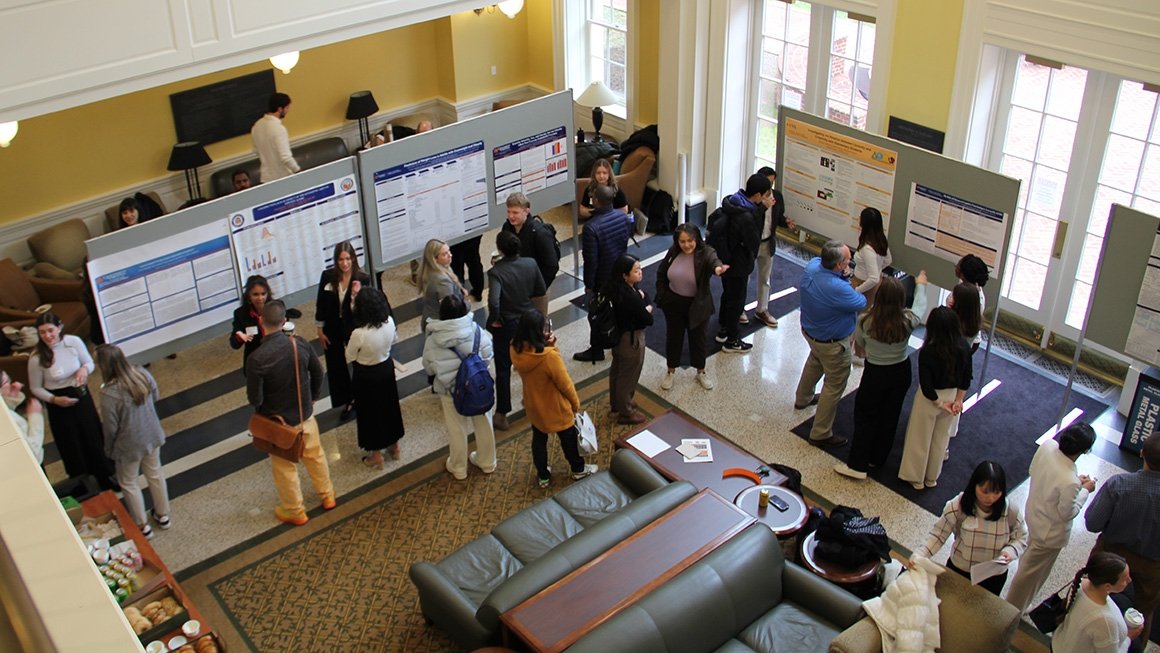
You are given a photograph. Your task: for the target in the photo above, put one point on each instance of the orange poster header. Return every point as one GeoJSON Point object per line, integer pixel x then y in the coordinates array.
{"type": "Point", "coordinates": [845, 146]}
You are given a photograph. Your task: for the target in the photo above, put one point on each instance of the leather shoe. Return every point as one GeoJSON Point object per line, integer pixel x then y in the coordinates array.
{"type": "Point", "coordinates": [591, 355]}
{"type": "Point", "coordinates": [812, 402]}
{"type": "Point", "coordinates": [500, 421]}
{"type": "Point", "coordinates": [832, 441]}
{"type": "Point", "coordinates": [287, 518]}
{"type": "Point", "coordinates": [631, 418]}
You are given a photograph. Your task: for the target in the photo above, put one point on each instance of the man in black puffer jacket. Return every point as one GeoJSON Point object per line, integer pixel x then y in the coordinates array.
{"type": "Point", "coordinates": [735, 232]}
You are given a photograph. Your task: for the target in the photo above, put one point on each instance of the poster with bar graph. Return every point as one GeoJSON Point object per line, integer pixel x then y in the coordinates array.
{"type": "Point", "coordinates": [531, 163]}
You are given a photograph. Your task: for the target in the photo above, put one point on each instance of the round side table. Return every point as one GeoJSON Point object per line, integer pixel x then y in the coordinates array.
{"type": "Point", "coordinates": [783, 524]}
{"type": "Point", "coordinates": [862, 581]}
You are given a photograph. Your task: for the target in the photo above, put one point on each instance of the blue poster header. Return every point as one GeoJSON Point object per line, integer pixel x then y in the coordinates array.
{"type": "Point", "coordinates": [428, 161]}
{"type": "Point", "coordinates": [285, 204]}
{"type": "Point", "coordinates": [179, 257]}
{"type": "Point", "coordinates": [528, 142]}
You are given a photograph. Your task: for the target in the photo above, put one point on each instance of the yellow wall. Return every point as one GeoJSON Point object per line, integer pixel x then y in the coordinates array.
{"type": "Point", "coordinates": [646, 67]}
{"type": "Point", "coordinates": [483, 41]}
{"type": "Point", "coordinates": [922, 68]}
{"type": "Point", "coordinates": [541, 64]}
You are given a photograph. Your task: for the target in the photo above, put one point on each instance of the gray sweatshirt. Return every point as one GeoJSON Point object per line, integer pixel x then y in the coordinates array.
{"type": "Point", "coordinates": [130, 430]}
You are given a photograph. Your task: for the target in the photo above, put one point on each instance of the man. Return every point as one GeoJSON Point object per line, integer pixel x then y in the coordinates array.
{"type": "Point", "coordinates": [1057, 495]}
{"type": "Point", "coordinates": [604, 239]}
{"type": "Point", "coordinates": [241, 180]}
{"type": "Point", "coordinates": [537, 242]}
{"type": "Point", "coordinates": [423, 126]}
{"type": "Point", "coordinates": [271, 390]}
{"type": "Point", "coordinates": [272, 141]}
{"type": "Point", "coordinates": [735, 230]}
{"type": "Point", "coordinates": [774, 218]}
{"type": "Point", "coordinates": [31, 423]}
{"type": "Point", "coordinates": [515, 282]}
{"type": "Point", "coordinates": [829, 307]}
{"type": "Point", "coordinates": [1126, 514]}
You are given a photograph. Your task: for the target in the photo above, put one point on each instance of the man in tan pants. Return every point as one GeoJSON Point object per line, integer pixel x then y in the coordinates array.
{"type": "Point", "coordinates": [271, 390]}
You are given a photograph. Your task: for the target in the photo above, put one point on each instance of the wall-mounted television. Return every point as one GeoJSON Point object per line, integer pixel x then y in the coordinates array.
{"type": "Point", "coordinates": [215, 112]}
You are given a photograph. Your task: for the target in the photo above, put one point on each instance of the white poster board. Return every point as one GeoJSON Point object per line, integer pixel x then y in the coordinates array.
{"type": "Point", "coordinates": [531, 163]}
{"type": "Point", "coordinates": [1144, 333]}
{"type": "Point", "coordinates": [950, 227]}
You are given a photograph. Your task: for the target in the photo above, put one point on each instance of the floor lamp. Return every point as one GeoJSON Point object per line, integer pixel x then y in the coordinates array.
{"type": "Point", "coordinates": [187, 157]}
{"type": "Point", "coordinates": [361, 106]}
{"type": "Point", "coordinates": [597, 95]}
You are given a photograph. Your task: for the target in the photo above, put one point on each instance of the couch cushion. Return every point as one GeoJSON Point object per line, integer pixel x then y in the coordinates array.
{"type": "Point", "coordinates": [734, 646]}
{"type": "Point", "coordinates": [16, 290]}
{"type": "Point", "coordinates": [788, 628]}
{"type": "Point", "coordinates": [480, 567]}
{"type": "Point", "coordinates": [62, 244]}
{"type": "Point", "coordinates": [534, 531]}
{"type": "Point", "coordinates": [594, 499]}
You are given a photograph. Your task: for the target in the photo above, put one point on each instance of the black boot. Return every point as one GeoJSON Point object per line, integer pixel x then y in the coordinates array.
{"type": "Point", "coordinates": [590, 355]}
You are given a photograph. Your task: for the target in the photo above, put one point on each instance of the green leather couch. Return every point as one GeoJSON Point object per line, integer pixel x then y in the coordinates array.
{"type": "Point", "coordinates": [465, 593]}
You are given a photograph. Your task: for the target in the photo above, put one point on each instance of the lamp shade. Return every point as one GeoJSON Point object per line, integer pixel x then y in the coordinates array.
{"type": "Point", "coordinates": [597, 95]}
{"type": "Point", "coordinates": [510, 8]}
{"type": "Point", "coordinates": [8, 132]}
{"type": "Point", "coordinates": [285, 61]}
{"type": "Point", "coordinates": [362, 105]}
{"type": "Point", "coordinates": [188, 155]}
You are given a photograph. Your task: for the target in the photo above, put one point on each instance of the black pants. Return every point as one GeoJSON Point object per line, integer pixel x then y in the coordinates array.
{"type": "Point", "coordinates": [76, 430]}
{"type": "Point", "coordinates": [466, 253]}
{"type": "Point", "coordinates": [337, 371]}
{"type": "Point", "coordinates": [501, 340]}
{"type": "Point", "coordinates": [569, 442]}
{"type": "Point", "coordinates": [732, 304]}
{"type": "Point", "coordinates": [676, 327]}
{"type": "Point", "coordinates": [877, 407]}
{"type": "Point", "coordinates": [994, 584]}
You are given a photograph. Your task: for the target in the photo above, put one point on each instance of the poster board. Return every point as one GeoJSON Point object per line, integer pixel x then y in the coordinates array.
{"type": "Point", "coordinates": [443, 183]}
{"type": "Point", "coordinates": [1124, 297]}
{"type": "Point", "coordinates": [936, 201]}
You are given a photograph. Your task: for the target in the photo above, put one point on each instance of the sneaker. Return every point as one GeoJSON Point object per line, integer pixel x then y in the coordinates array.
{"type": "Point", "coordinates": [447, 466]}
{"type": "Point", "coordinates": [147, 531]}
{"type": "Point", "coordinates": [930, 483]}
{"type": "Point", "coordinates": [705, 381]}
{"type": "Point", "coordinates": [744, 319]}
{"type": "Point", "coordinates": [918, 486]}
{"type": "Point", "coordinates": [473, 458]}
{"type": "Point", "coordinates": [545, 482]}
{"type": "Point", "coordinates": [721, 336]}
{"type": "Point", "coordinates": [287, 518]}
{"type": "Point", "coordinates": [162, 520]}
{"type": "Point", "coordinates": [736, 346]}
{"type": "Point", "coordinates": [329, 503]}
{"type": "Point", "coordinates": [847, 471]}
{"type": "Point", "coordinates": [767, 319]}
{"type": "Point", "coordinates": [589, 470]}
{"type": "Point", "coordinates": [667, 381]}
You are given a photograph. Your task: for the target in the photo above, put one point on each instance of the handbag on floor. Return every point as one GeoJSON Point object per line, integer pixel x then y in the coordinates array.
{"type": "Point", "coordinates": [587, 439]}
{"type": "Point", "coordinates": [273, 435]}
{"type": "Point", "coordinates": [1048, 615]}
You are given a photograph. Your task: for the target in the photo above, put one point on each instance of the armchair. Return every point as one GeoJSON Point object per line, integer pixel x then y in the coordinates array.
{"type": "Point", "coordinates": [60, 250]}
{"type": "Point", "coordinates": [20, 294]}
{"type": "Point", "coordinates": [634, 175]}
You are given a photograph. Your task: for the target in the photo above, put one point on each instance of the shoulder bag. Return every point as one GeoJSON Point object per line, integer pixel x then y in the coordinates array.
{"type": "Point", "coordinates": [273, 435]}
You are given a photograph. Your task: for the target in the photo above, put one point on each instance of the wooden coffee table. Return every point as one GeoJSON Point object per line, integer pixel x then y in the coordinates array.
{"type": "Point", "coordinates": [554, 619]}
{"type": "Point", "coordinates": [672, 427]}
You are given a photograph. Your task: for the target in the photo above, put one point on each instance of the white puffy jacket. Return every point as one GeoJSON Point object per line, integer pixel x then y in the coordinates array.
{"type": "Point", "coordinates": [442, 335]}
{"type": "Point", "coordinates": [907, 612]}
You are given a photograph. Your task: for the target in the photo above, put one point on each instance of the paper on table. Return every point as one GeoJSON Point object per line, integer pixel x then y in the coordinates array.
{"type": "Point", "coordinates": [648, 443]}
{"type": "Point", "coordinates": [984, 570]}
{"type": "Point", "coordinates": [696, 450]}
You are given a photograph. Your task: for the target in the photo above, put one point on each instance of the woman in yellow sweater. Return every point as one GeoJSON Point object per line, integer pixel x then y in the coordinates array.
{"type": "Point", "coordinates": [550, 398]}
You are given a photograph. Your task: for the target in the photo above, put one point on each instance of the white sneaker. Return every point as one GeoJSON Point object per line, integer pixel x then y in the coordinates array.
{"type": "Point", "coordinates": [845, 470]}
{"type": "Point", "coordinates": [705, 381]}
{"type": "Point", "coordinates": [667, 382]}
{"type": "Point", "coordinates": [589, 470]}
{"type": "Point", "coordinates": [474, 460]}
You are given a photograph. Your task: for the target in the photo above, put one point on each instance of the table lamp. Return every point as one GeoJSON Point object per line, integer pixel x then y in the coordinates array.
{"type": "Point", "coordinates": [361, 106]}
{"type": "Point", "coordinates": [597, 95]}
{"type": "Point", "coordinates": [187, 157]}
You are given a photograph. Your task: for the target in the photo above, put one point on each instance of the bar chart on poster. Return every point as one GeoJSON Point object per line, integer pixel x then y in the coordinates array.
{"type": "Point", "coordinates": [531, 163]}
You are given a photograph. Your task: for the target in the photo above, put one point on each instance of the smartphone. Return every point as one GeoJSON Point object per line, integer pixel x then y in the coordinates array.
{"type": "Point", "coordinates": [550, 329]}
{"type": "Point", "coordinates": [779, 503]}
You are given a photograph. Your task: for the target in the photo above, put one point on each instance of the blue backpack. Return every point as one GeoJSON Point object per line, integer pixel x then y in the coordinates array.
{"type": "Point", "coordinates": [474, 390]}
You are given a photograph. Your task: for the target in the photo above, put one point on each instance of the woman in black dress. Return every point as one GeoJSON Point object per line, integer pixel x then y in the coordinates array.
{"type": "Point", "coordinates": [380, 418]}
{"type": "Point", "coordinates": [335, 317]}
{"type": "Point", "coordinates": [247, 332]}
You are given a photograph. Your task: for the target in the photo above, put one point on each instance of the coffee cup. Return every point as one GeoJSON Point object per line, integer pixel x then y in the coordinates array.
{"type": "Point", "coordinates": [1133, 618]}
{"type": "Point", "coordinates": [191, 628]}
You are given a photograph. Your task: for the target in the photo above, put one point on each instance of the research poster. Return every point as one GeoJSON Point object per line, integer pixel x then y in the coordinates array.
{"type": "Point", "coordinates": [828, 178]}
{"type": "Point", "coordinates": [440, 196]}
{"type": "Point", "coordinates": [950, 227]}
{"type": "Point", "coordinates": [290, 240]}
{"type": "Point", "coordinates": [1144, 334]}
{"type": "Point", "coordinates": [152, 294]}
{"type": "Point", "coordinates": [530, 164]}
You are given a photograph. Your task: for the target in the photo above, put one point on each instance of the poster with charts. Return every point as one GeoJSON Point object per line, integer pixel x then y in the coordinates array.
{"type": "Point", "coordinates": [442, 196]}
{"type": "Point", "coordinates": [530, 164]}
{"type": "Point", "coordinates": [828, 178]}
{"type": "Point", "coordinates": [151, 294]}
{"type": "Point", "coordinates": [1144, 333]}
{"type": "Point", "coordinates": [950, 227]}
{"type": "Point", "coordinates": [290, 240]}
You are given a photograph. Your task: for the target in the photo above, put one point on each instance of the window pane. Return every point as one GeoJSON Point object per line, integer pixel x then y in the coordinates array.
{"type": "Point", "coordinates": [771, 50]}
{"type": "Point", "coordinates": [858, 118]}
{"type": "Point", "coordinates": [1088, 258]}
{"type": "Point", "coordinates": [798, 29]}
{"type": "Point", "coordinates": [616, 79]}
{"type": "Point", "coordinates": [1030, 85]}
{"type": "Point", "coordinates": [1038, 236]}
{"type": "Point", "coordinates": [1134, 109]}
{"type": "Point", "coordinates": [840, 79]}
{"type": "Point", "coordinates": [1055, 145]}
{"type": "Point", "coordinates": [845, 37]}
{"type": "Point", "coordinates": [768, 95]}
{"type": "Point", "coordinates": [1150, 174]}
{"type": "Point", "coordinates": [838, 112]}
{"type": "Point", "coordinates": [1027, 281]}
{"type": "Point", "coordinates": [1121, 162]}
{"type": "Point", "coordinates": [1148, 206]}
{"type": "Point", "coordinates": [866, 43]}
{"type": "Point", "coordinates": [1046, 192]}
{"type": "Point", "coordinates": [795, 65]}
{"type": "Point", "coordinates": [1102, 206]}
{"type": "Point", "coordinates": [1080, 294]}
{"type": "Point", "coordinates": [618, 47]}
{"type": "Point", "coordinates": [774, 24]}
{"type": "Point", "coordinates": [1022, 133]}
{"type": "Point", "coordinates": [1018, 169]}
{"type": "Point", "coordinates": [766, 140]}
{"type": "Point", "coordinates": [1066, 95]}
{"type": "Point", "coordinates": [792, 97]}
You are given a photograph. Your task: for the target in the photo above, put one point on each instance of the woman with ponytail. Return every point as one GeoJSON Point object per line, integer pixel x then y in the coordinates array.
{"type": "Point", "coordinates": [1093, 623]}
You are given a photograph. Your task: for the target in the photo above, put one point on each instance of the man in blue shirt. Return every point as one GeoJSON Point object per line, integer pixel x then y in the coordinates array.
{"type": "Point", "coordinates": [830, 305]}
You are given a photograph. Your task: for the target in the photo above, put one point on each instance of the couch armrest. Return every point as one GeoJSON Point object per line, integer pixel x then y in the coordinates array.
{"type": "Point", "coordinates": [442, 602]}
{"type": "Point", "coordinates": [862, 637]}
{"type": "Point", "coordinates": [46, 270]}
{"type": "Point", "coordinates": [11, 315]}
{"type": "Point", "coordinates": [820, 596]}
{"type": "Point", "coordinates": [635, 473]}
{"type": "Point", "coordinates": [57, 290]}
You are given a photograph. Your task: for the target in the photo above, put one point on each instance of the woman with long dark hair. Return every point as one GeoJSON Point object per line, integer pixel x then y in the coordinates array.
{"type": "Point", "coordinates": [550, 398]}
{"type": "Point", "coordinates": [944, 374]}
{"type": "Point", "coordinates": [633, 315]}
{"type": "Point", "coordinates": [133, 435]}
{"type": "Point", "coordinates": [1093, 623]}
{"type": "Point", "coordinates": [334, 313]}
{"type": "Point", "coordinates": [984, 525]}
{"type": "Point", "coordinates": [376, 392]}
{"type": "Point", "coordinates": [872, 255]}
{"type": "Point", "coordinates": [247, 330]}
{"type": "Point", "coordinates": [683, 294]}
{"type": "Point", "coordinates": [882, 336]}
{"type": "Point", "coordinates": [964, 301]}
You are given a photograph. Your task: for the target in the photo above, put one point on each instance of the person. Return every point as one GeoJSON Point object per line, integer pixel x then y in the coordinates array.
{"type": "Point", "coordinates": [984, 525]}
{"type": "Point", "coordinates": [1093, 623]}
{"type": "Point", "coordinates": [130, 212]}
{"type": "Point", "coordinates": [944, 374]}
{"type": "Point", "coordinates": [246, 332]}
{"type": "Point", "coordinates": [872, 255]}
{"type": "Point", "coordinates": [423, 126]}
{"type": "Point", "coordinates": [602, 175]}
{"type": "Point", "coordinates": [1058, 493]}
{"type": "Point", "coordinates": [555, 404]}
{"type": "Point", "coordinates": [603, 241]}
{"type": "Point", "coordinates": [739, 219]}
{"type": "Point", "coordinates": [633, 315]}
{"type": "Point", "coordinates": [436, 279]}
{"type": "Point", "coordinates": [241, 180]}
{"type": "Point", "coordinates": [133, 435]}
{"type": "Point", "coordinates": [449, 337]}
{"type": "Point", "coordinates": [1126, 514]}
{"type": "Point", "coordinates": [272, 391]}
{"type": "Point", "coordinates": [272, 141]}
{"type": "Point", "coordinates": [536, 241]}
{"type": "Point", "coordinates": [966, 301]}
{"type": "Point", "coordinates": [58, 375]}
{"type": "Point", "coordinates": [30, 423]}
{"type": "Point", "coordinates": [882, 336]}
{"type": "Point", "coordinates": [375, 390]}
{"type": "Point", "coordinates": [774, 217]}
{"type": "Point", "coordinates": [334, 315]}
{"type": "Point", "coordinates": [684, 296]}
{"type": "Point", "coordinates": [829, 309]}
{"type": "Point", "coordinates": [514, 282]}
{"type": "Point", "coordinates": [465, 261]}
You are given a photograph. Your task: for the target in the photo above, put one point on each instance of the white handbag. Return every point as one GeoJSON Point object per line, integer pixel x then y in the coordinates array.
{"type": "Point", "coordinates": [587, 439]}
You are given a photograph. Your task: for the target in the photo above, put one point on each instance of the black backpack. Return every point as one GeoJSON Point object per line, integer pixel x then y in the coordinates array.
{"type": "Point", "coordinates": [718, 236]}
{"type": "Point", "coordinates": [602, 321]}
{"type": "Point", "coordinates": [658, 206]}
{"type": "Point", "coordinates": [551, 228]}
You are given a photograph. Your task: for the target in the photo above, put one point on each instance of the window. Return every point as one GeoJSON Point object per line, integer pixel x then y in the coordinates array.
{"type": "Point", "coordinates": [607, 26]}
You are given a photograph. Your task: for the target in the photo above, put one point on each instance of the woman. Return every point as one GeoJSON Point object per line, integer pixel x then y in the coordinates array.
{"type": "Point", "coordinates": [129, 212]}
{"type": "Point", "coordinates": [602, 176]}
{"type": "Point", "coordinates": [133, 434]}
{"type": "Point", "coordinates": [552, 408]}
{"type": "Point", "coordinates": [58, 374]}
{"type": "Point", "coordinates": [247, 328]}
{"type": "Point", "coordinates": [380, 418]}
{"type": "Point", "coordinates": [436, 279]}
{"type": "Point", "coordinates": [683, 294]}
{"type": "Point", "coordinates": [335, 317]}
{"type": "Point", "coordinates": [633, 316]}
{"type": "Point", "coordinates": [449, 338]}
{"type": "Point", "coordinates": [985, 527]}
{"type": "Point", "coordinates": [944, 374]}
{"type": "Point", "coordinates": [1094, 623]}
{"type": "Point", "coordinates": [882, 336]}
{"type": "Point", "coordinates": [872, 255]}
{"type": "Point", "coordinates": [965, 302]}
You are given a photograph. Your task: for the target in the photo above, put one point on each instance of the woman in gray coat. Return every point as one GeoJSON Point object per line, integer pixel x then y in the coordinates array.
{"type": "Point", "coordinates": [436, 279]}
{"type": "Point", "coordinates": [133, 434]}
